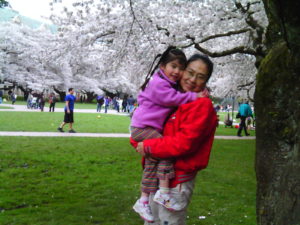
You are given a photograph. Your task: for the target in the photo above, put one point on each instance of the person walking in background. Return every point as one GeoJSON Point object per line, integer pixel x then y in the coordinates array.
{"type": "Point", "coordinates": [119, 103]}
{"type": "Point", "coordinates": [69, 109]}
{"type": "Point", "coordinates": [13, 98]}
{"type": "Point", "coordinates": [100, 101]}
{"type": "Point", "coordinates": [130, 104]}
{"type": "Point", "coordinates": [124, 104]}
{"type": "Point", "coordinates": [52, 101]}
{"type": "Point", "coordinates": [29, 100]}
{"type": "Point", "coordinates": [106, 103]}
{"type": "Point", "coordinates": [42, 102]}
{"type": "Point", "coordinates": [1, 96]}
{"type": "Point", "coordinates": [245, 111]}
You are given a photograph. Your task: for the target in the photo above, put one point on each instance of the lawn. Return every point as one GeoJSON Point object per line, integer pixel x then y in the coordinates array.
{"type": "Point", "coordinates": [84, 123]}
{"type": "Point", "coordinates": [45, 121]}
{"type": "Point", "coordinates": [83, 181]}
{"type": "Point", "coordinates": [5, 107]}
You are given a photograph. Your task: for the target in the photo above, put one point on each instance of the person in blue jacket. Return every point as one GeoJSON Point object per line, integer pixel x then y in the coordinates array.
{"type": "Point", "coordinates": [245, 111]}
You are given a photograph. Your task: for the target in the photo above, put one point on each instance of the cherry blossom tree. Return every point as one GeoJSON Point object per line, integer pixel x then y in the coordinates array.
{"type": "Point", "coordinates": [24, 60]}
{"type": "Point", "coordinates": [105, 45]}
{"type": "Point", "coordinates": [233, 31]}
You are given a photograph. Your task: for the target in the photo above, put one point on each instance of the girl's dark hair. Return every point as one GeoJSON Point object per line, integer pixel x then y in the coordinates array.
{"type": "Point", "coordinates": [172, 53]}
{"type": "Point", "coordinates": [206, 60]}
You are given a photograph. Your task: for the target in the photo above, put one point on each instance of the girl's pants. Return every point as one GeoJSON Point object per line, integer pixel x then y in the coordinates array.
{"type": "Point", "coordinates": [154, 169]}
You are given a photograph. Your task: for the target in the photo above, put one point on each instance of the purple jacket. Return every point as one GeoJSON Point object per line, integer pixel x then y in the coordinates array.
{"type": "Point", "coordinates": [158, 101]}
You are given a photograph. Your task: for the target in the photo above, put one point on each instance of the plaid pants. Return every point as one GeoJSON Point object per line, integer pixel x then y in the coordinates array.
{"type": "Point", "coordinates": [154, 169]}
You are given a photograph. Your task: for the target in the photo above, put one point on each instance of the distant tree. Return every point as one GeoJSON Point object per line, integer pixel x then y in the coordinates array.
{"type": "Point", "coordinates": [3, 3]}
{"type": "Point", "coordinates": [109, 45]}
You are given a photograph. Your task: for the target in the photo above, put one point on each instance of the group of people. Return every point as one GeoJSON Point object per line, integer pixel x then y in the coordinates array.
{"type": "Point", "coordinates": [37, 101]}
{"type": "Point", "coordinates": [108, 102]}
{"type": "Point", "coordinates": [125, 105]}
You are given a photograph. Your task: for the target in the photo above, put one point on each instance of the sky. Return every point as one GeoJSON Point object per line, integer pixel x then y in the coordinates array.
{"type": "Point", "coordinates": [34, 9]}
{"type": "Point", "coordinates": [38, 9]}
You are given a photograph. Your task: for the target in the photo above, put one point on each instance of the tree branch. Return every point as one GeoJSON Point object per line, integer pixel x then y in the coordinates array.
{"type": "Point", "coordinates": [225, 34]}
{"type": "Point", "coordinates": [242, 86]}
{"type": "Point", "coordinates": [100, 35]}
{"type": "Point", "coordinates": [167, 32]}
{"type": "Point", "coordinates": [135, 19]}
{"type": "Point", "coordinates": [239, 49]}
{"type": "Point", "coordinates": [253, 24]}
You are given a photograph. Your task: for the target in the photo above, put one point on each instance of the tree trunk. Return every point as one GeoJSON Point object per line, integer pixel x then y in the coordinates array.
{"type": "Point", "coordinates": [62, 94]}
{"type": "Point", "coordinates": [277, 107]}
{"type": "Point", "coordinates": [90, 96]}
{"type": "Point", "coordinates": [26, 91]}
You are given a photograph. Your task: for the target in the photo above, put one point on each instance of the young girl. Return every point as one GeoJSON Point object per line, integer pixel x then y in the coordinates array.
{"type": "Point", "coordinates": [157, 100]}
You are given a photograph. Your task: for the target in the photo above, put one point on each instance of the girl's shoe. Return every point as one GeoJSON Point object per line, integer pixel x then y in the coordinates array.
{"type": "Point", "coordinates": [144, 211]}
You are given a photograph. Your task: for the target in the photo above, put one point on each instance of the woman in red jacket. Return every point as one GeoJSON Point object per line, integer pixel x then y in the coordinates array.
{"type": "Point", "coordinates": [188, 138]}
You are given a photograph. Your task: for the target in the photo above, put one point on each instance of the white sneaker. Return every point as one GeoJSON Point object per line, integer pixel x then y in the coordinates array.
{"type": "Point", "coordinates": [167, 201]}
{"type": "Point", "coordinates": [144, 210]}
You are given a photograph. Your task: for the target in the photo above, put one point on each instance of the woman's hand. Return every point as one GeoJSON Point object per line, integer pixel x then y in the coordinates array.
{"type": "Point", "coordinates": [204, 93]}
{"type": "Point", "coordinates": [140, 148]}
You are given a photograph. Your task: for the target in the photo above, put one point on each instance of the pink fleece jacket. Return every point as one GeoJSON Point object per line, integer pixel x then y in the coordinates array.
{"type": "Point", "coordinates": [158, 101]}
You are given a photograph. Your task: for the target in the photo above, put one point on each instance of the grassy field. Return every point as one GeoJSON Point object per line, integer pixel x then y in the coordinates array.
{"type": "Point", "coordinates": [85, 181]}
{"type": "Point", "coordinates": [5, 107]}
{"type": "Point", "coordinates": [45, 121]}
{"type": "Point", "coordinates": [84, 123]}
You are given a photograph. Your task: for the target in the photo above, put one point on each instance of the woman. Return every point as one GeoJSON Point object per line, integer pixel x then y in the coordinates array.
{"type": "Point", "coordinates": [188, 138]}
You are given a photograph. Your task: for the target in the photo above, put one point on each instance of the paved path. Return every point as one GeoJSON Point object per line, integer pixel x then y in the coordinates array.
{"type": "Point", "coordinates": [114, 135]}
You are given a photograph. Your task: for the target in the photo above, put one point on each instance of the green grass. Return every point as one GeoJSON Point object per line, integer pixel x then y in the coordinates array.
{"type": "Point", "coordinates": [5, 107]}
{"type": "Point", "coordinates": [84, 123]}
{"type": "Point", "coordinates": [45, 121]}
{"type": "Point", "coordinates": [83, 181]}
{"type": "Point", "coordinates": [221, 130]}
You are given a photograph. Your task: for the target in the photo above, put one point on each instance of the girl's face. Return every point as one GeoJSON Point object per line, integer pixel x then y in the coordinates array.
{"type": "Point", "coordinates": [173, 70]}
{"type": "Point", "coordinates": [194, 76]}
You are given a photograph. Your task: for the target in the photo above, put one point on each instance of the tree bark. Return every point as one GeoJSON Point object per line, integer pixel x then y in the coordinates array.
{"type": "Point", "coordinates": [26, 91]}
{"type": "Point", "coordinates": [90, 96]}
{"type": "Point", "coordinates": [277, 108]}
{"type": "Point", "coordinates": [62, 94]}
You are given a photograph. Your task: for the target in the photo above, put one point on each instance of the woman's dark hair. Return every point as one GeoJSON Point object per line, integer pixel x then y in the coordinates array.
{"type": "Point", "coordinates": [206, 60]}
{"type": "Point", "coordinates": [172, 53]}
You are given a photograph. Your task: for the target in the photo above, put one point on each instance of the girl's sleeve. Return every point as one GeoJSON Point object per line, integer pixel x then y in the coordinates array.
{"type": "Point", "coordinates": [162, 93]}
{"type": "Point", "coordinates": [198, 125]}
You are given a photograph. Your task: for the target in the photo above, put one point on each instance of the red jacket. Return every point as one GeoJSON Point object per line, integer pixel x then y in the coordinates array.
{"type": "Point", "coordinates": [188, 137]}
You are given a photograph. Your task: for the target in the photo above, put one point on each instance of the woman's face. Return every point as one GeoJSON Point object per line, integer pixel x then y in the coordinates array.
{"type": "Point", "coordinates": [194, 77]}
